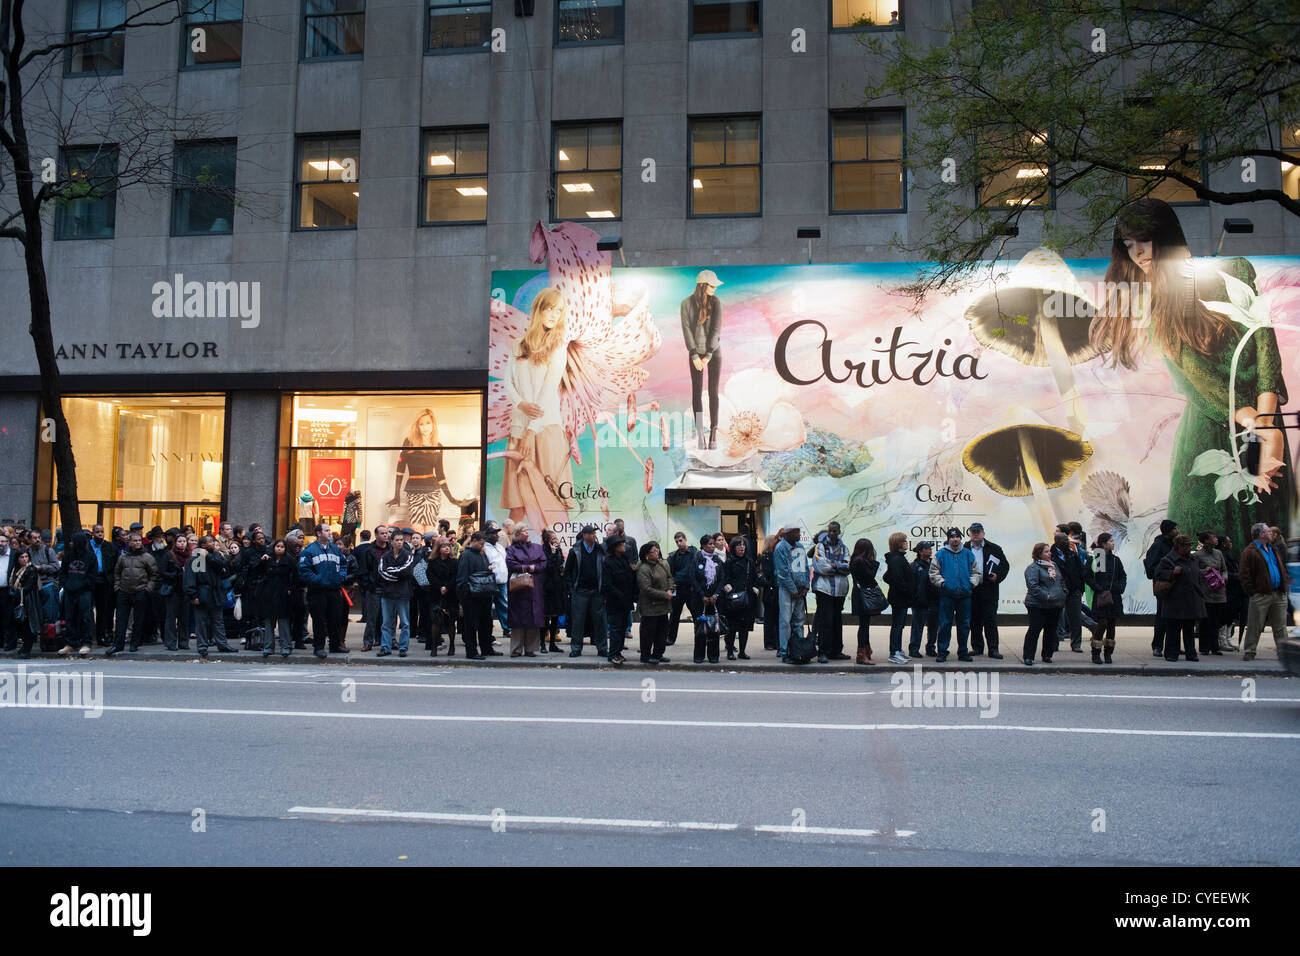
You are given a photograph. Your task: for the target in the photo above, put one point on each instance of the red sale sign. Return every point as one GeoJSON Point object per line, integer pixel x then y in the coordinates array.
{"type": "Point", "coordinates": [329, 480]}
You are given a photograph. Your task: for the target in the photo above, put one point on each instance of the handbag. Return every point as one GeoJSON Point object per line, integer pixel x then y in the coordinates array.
{"type": "Point", "coordinates": [1213, 578]}
{"type": "Point", "coordinates": [421, 573]}
{"type": "Point", "coordinates": [482, 582]}
{"type": "Point", "coordinates": [872, 600]}
{"type": "Point", "coordinates": [1104, 599]}
{"type": "Point", "coordinates": [520, 581]}
{"type": "Point", "coordinates": [1162, 587]}
{"type": "Point", "coordinates": [239, 608]}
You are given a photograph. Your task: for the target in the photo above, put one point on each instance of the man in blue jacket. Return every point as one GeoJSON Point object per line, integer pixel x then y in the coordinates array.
{"type": "Point", "coordinates": [790, 562]}
{"type": "Point", "coordinates": [324, 568]}
{"type": "Point", "coordinates": [954, 574]}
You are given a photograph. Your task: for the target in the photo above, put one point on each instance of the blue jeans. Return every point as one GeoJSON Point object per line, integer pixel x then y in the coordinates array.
{"type": "Point", "coordinates": [502, 605]}
{"type": "Point", "coordinates": [925, 622]}
{"type": "Point", "coordinates": [396, 611]}
{"type": "Point", "coordinates": [791, 616]}
{"type": "Point", "coordinates": [960, 603]}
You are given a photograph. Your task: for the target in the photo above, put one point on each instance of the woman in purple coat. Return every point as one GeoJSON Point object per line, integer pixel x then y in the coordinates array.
{"type": "Point", "coordinates": [527, 604]}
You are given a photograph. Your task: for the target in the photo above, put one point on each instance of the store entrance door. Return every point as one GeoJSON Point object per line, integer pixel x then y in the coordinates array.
{"type": "Point", "coordinates": [741, 519]}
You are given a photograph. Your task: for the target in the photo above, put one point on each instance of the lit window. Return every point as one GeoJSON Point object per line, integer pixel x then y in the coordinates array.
{"type": "Point", "coordinates": [866, 14]}
{"type": "Point", "coordinates": [328, 182]}
{"type": "Point", "coordinates": [866, 161]}
{"type": "Point", "coordinates": [1015, 171]}
{"type": "Point", "coordinates": [454, 173]}
{"type": "Point", "coordinates": [1169, 155]}
{"type": "Point", "coordinates": [726, 174]}
{"type": "Point", "coordinates": [587, 174]}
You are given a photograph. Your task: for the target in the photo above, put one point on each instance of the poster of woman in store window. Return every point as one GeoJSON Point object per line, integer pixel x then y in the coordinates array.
{"type": "Point", "coordinates": [421, 476]}
{"type": "Point", "coordinates": [1198, 318]}
{"type": "Point", "coordinates": [538, 471]}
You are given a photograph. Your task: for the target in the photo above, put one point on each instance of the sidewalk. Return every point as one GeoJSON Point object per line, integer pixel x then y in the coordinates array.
{"type": "Point", "coordinates": [1132, 657]}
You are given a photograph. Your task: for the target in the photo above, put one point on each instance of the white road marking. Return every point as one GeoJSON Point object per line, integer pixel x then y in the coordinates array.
{"type": "Point", "coordinates": [516, 819]}
{"type": "Point", "coordinates": [660, 688]}
{"type": "Point", "coordinates": [647, 722]}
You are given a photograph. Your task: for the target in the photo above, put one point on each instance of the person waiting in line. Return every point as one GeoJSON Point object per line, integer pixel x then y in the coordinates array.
{"type": "Point", "coordinates": [77, 578]}
{"type": "Point", "coordinates": [174, 626]}
{"type": "Point", "coordinates": [1161, 546]}
{"type": "Point", "coordinates": [396, 579]}
{"type": "Point", "coordinates": [25, 619]}
{"type": "Point", "coordinates": [1108, 583]}
{"type": "Point", "coordinates": [681, 564]}
{"type": "Point", "coordinates": [554, 599]}
{"type": "Point", "coordinates": [1075, 565]}
{"type": "Point", "coordinates": [708, 579]}
{"type": "Point", "coordinates": [251, 570]}
{"type": "Point", "coordinates": [655, 593]}
{"type": "Point", "coordinates": [367, 556]}
{"type": "Point", "coordinates": [135, 575]}
{"type": "Point", "coordinates": [1184, 603]}
{"type": "Point", "coordinates": [740, 595]}
{"type": "Point", "coordinates": [862, 568]}
{"type": "Point", "coordinates": [294, 541]}
{"type": "Point", "coordinates": [771, 595]}
{"type": "Point", "coordinates": [899, 577]}
{"type": "Point", "coordinates": [1214, 569]}
{"type": "Point", "coordinates": [993, 565]}
{"type": "Point", "coordinates": [526, 562]}
{"type": "Point", "coordinates": [830, 563]}
{"type": "Point", "coordinates": [442, 588]}
{"type": "Point", "coordinates": [790, 564]}
{"type": "Point", "coordinates": [1235, 612]}
{"type": "Point", "coordinates": [421, 591]}
{"type": "Point", "coordinates": [205, 590]}
{"type": "Point", "coordinates": [280, 571]}
{"type": "Point", "coordinates": [232, 591]}
{"type": "Point", "coordinates": [476, 598]}
{"type": "Point", "coordinates": [1265, 582]}
{"type": "Point", "coordinates": [584, 575]}
{"type": "Point", "coordinates": [620, 594]}
{"type": "Point", "coordinates": [925, 603]}
{"type": "Point", "coordinates": [495, 551]}
{"type": "Point", "coordinates": [323, 568]}
{"type": "Point", "coordinates": [1044, 599]}
{"type": "Point", "coordinates": [954, 575]}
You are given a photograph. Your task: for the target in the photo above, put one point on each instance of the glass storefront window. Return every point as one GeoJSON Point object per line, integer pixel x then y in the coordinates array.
{"type": "Point", "coordinates": [156, 459]}
{"type": "Point", "coordinates": [413, 457]}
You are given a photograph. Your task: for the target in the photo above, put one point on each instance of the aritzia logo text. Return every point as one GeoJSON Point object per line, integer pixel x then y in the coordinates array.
{"type": "Point", "coordinates": [179, 299]}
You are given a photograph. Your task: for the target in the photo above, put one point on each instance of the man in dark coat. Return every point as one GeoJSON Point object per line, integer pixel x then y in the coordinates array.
{"type": "Point", "coordinates": [135, 576]}
{"type": "Point", "coordinates": [681, 564]}
{"type": "Point", "coordinates": [204, 582]}
{"type": "Point", "coordinates": [984, 599]}
{"type": "Point", "coordinates": [1262, 568]}
{"type": "Point", "coordinates": [102, 557]}
{"type": "Point", "coordinates": [1160, 547]}
{"type": "Point", "coordinates": [367, 555]}
{"type": "Point", "coordinates": [584, 573]}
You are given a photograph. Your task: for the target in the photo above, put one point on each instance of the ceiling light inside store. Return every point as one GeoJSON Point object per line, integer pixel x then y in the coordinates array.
{"type": "Point", "coordinates": [1031, 172]}
{"type": "Point", "coordinates": [564, 157]}
{"type": "Point", "coordinates": [1287, 166]}
{"type": "Point", "coordinates": [322, 165]}
{"type": "Point", "coordinates": [442, 159]}
{"type": "Point", "coordinates": [471, 190]}
{"type": "Point", "coordinates": [357, 194]}
{"type": "Point", "coordinates": [326, 415]}
{"type": "Point", "coordinates": [1153, 166]}
{"type": "Point", "coordinates": [600, 214]}
{"type": "Point", "coordinates": [579, 188]}
{"type": "Point", "coordinates": [697, 184]}
{"type": "Point", "coordinates": [1019, 202]}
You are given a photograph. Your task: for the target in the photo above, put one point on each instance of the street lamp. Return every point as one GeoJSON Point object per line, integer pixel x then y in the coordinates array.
{"type": "Point", "coordinates": [1233, 225]}
{"type": "Point", "coordinates": [610, 244]}
{"type": "Point", "coordinates": [810, 233]}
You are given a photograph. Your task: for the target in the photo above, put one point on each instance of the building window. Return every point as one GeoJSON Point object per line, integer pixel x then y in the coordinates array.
{"type": "Point", "coordinates": [454, 173]}
{"type": "Point", "coordinates": [156, 459]}
{"type": "Point", "coordinates": [88, 207]}
{"type": "Point", "coordinates": [587, 174]}
{"type": "Point", "coordinates": [329, 182]}
{"type": "Point", "coordinates": [203, 198]}
{"type": "Point", "coordinates": [725, 171]}
{"type": "Point", "coordinates": [1015, 171]}
{"type": "Point", "coordinates": [867, 161]}
{"type": "Point", "coordinates": [414, 457]}
{"type": "Point", "coordinates": [214, 33]}
{"type": "Point", "coordinates": [1168, 155]}
{"type": "Point", "coordinates": [333, 28]}
{"type": "Point", "coordinates": [866, 14]}
{"type": "Point", "coordinates": [98, 47]}
{"type": "Point", "coordinates": [724, 17]}
{"type": "Point", "coordinates": [459, 25]}
{"type": "Point", "coordinates": [588, 21]}
{"type": "Point", "coordinates": [1291, 171]}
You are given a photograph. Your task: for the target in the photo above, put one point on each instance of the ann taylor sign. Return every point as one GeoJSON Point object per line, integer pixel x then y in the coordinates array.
{"type": "Point", "coordinates": [136, 350]}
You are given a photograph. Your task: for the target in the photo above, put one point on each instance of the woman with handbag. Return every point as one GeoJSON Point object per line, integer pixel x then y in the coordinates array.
{"type": "Point", "coordinates": [707, 578]}
{"type": "Point", "coordinates": [739, 595]}
{"type": "Point", "coordinates": [553, 596]}
{"type": "Point", "coordinates": [276, 598]}
{"type": "Point", "coordinates": [441, 571]}
{"type": "Point", "coordinates": [1108, 583]}
{"type": "Point", "coordinates": [25, 595]}
{"type": "Point", "coordinates": [654, 600]}
{"type": "Point", "coordinates": [899, 577]}
{"type": "Point", "coordinates": [867, 599]}
{"type": "Point", "coordinates": [1214, 569]}
{"type": "Point", "coordinates": [477, 588]}
{"type": "Point", "coordinates": [1178, 580]}
{"type": "Point", "coordinates": [1044, 599]}
{"type": "Point", "coordinates": [526, 593]}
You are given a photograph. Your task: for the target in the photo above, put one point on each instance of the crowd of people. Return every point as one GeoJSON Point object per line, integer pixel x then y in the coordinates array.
{"type": "Point", "coordinates": [238, 590]}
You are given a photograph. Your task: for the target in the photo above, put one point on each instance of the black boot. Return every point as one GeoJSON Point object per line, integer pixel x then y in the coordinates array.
{"type": "Point", "coordinates": [1109, 652]}
{"type": "Point", "coordinates": [1096, 656]}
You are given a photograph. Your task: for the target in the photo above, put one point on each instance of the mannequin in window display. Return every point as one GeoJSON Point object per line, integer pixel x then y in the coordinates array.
{"type": "Point", "coordinates": [306, 511]}
{"type": "Point", "coordinates": [420, 463]}
{"type": "Point", "coordinates": [351, 512]}
{"type": "Point", "coordinates": [538, 463]}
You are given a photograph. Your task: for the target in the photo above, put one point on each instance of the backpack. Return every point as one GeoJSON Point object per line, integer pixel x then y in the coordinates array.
{"type": "Point", "coordinates": [802, 647]}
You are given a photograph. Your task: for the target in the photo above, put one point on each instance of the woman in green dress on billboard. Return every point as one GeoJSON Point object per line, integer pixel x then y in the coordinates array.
{"type": "Point", "coordinates": [1198, 346]}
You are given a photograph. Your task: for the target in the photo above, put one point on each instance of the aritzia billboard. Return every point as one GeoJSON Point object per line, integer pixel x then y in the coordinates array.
{"type": "Point", "coordinates": [1114, 392]}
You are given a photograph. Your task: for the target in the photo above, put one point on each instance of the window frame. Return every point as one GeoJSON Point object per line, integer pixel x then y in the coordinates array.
{"type": "Point", "coordinates": [60, 209]}
{"type": "Point", "coordinates": [1048, 206]}
{"type": "Point", "coordinates": [570, 44]}
{"type": "Point", "coordinates": [304, 16]}
{"type": "Point", "coordinates": [177, 148]}
{"type": "Point", "coordinates": [692, 35]}
{"type": "Point", "coordinates": [429, 5]}
{"type": "Point", "coordinates": [426, 177]}
{"type": "Point", "coordinates": [691, 120]}
{"type": "Point", "coordinates": [187, 25]}
{"type": "Point", "coordinates": [832, 162]}
{"type": "Point", "coordinates": [556, 171]}
{"type": "Point", "coordinates": [298, 183]}
{"type": "Point", "coordinates": [70, 35]}
{"type": "Point", "coordinates": [877, 28]}
{"type": "Point", "coordinates": [1201, 166]}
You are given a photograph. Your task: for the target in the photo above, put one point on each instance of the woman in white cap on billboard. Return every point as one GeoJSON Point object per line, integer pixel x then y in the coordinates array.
{"type": "Point", "coordinates": [702, 331]}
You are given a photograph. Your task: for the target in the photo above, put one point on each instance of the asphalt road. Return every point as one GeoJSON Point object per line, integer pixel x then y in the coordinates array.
{"type": "Point", "coordinates": [292, 765]}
